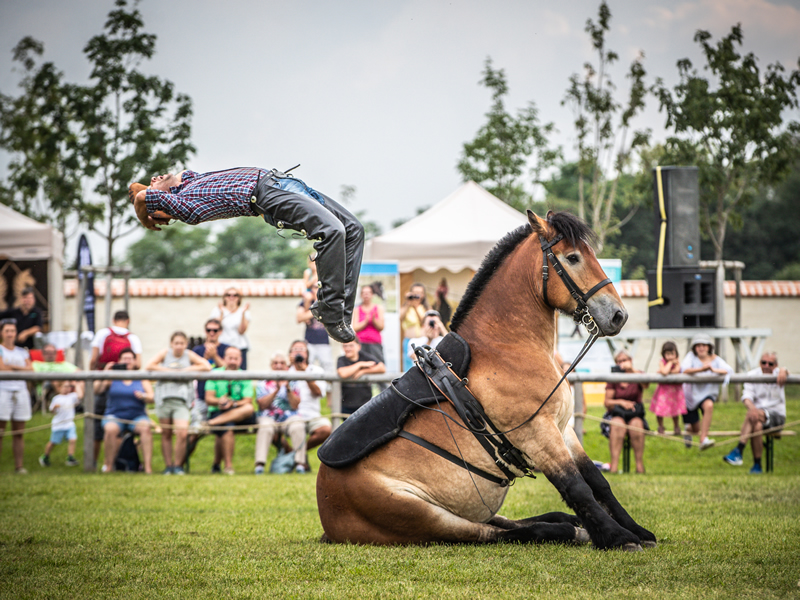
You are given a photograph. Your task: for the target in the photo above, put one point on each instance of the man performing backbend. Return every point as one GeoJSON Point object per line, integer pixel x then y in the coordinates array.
{"type": "Point", "coordinates": [285, 203]}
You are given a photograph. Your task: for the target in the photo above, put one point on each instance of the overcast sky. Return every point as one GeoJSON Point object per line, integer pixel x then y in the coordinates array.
{"type": "Point", "coordinates": [382, 95]}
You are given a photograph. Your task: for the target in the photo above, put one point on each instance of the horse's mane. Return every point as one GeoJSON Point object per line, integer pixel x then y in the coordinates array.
{"type": "Point", "coordinates": [571, 227]}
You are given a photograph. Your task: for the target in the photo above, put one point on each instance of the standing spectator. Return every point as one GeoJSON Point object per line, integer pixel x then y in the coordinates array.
{"type": "Point", "coordinates": [230, 403]}
{"type": "Point", "coordinates": [319, 346]}
{"type": "Point", "coordinates": [701, 396]}
{"type": "Point", "coordinates": [368, 324]}
{"type": "Point", "coordinates": [107, 346]}
{"type": "Point", "coordinates": [15, 401]}
{"type": "Point", "coordinates": [309, 419]}
{"type": "Point", "coordinates": [310, 277]}
{"type": "Point", "coordinates": [50, 364]}
{"type": "Point", "coordinates": [125, 411]}
{"type": "Point", "coordinates": [352, 365]}
{"type": "Point", "coordinates": [235, 318]}
{"type": "Point", "coordinates": [441, 304]}
{"type": "Point", "coordinates": [277, 401]}
{"type": "Point", "coordinates": [624, 402]}
{"type": "Point", "coordinates": [29, 318]}
{"type": "Point", "coordinates": [212, 350]}
{"type": "Point", "coordinates": [766, 408]}
{"type": "Point", "coordinates": [174, 399]}
{"type": "Point", "coordinates": [70, 393]}
{"type": "Point", "coordinates": [668, 400]}
{"type": "Point", "coordinates": [432, 333]}
{"type": "Point", "coordinates": [412, 316]}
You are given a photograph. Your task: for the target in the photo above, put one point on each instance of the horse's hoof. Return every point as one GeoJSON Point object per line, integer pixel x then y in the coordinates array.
{"type": "Point", "coordinates": [582, 536]}
{"type": "Point", "coordinates": [649, 544]}
{"type": "Point", "coordinates": [631, 547]}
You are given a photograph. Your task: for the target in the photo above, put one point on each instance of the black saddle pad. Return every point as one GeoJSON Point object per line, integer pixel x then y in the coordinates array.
{"type": "Point", "coordinates": [382, 418]}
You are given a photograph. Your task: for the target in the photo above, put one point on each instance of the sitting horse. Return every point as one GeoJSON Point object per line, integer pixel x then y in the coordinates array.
{"type": "Point", "coordinates": [404, 490]}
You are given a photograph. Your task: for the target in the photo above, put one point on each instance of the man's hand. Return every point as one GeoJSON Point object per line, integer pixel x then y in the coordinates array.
{"type": "Point", "coordinates": [137, 194]}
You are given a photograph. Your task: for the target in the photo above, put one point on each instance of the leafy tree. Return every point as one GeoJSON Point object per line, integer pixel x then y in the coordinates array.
{"type": "Point", "coordinates": [506, 146]}
{"type": "Point", "coordinates": [178, 250]}
{"type": "Point", "coordinates": [66, 139]}
{"type": "Point", "coordinates": [605, 153]}
{"type": "Point", "coordinates": [731, 127]}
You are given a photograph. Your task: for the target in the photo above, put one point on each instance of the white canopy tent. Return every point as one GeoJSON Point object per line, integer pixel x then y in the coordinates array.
{"type": "Point", "coordinates": [23, 239]}
{"type": "Point", "coordinates": [454, 234]}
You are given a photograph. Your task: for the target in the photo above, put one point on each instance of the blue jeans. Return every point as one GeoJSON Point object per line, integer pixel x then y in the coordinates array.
{"type": "Point", "coordinates": [290, 184]}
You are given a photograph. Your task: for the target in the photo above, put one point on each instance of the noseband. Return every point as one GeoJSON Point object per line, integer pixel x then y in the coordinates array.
{"type": "Point", "coordinates": [581, 312]}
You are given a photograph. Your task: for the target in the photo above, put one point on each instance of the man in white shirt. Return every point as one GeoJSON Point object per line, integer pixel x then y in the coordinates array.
{"type": "Point", "coordinates": [15, 402]}
{"type": "Point", "coordinates": [309, 419]}
{"type": "Point", "coordinates": [766, 408]}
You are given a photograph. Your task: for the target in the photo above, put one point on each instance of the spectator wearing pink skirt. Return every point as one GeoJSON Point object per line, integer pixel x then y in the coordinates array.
{"type": "Point", "coordinates": [668, 399]}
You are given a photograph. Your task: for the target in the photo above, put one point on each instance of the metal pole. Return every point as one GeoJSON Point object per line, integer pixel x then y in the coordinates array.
{"type": "Point", "coordinates": [577, 390]}
{"type": "Point", "coordinates": [109, 279]}
{"type": "Point", "coordinates": [80, 302]}
{"type": "Point", "coordinates": [88, 428]}
{"type": "Point", "coordinates": [335, 399]}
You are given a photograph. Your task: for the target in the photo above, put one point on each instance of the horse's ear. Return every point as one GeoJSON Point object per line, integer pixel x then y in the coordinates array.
{"type": "Point", "coordinates": [535, 222]}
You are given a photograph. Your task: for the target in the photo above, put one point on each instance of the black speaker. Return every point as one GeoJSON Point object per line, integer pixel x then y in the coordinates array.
{"type": "Point", "coordinates": [688, 298]}
{"type": "Point", "coordinates": [676, 194]}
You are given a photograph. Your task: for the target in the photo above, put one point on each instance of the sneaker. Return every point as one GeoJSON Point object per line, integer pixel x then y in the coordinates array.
{"type": "Point", "coordinates": [72, 462]}
{"type": "Point", "coordinates": [229, 471]}
{"type": "Point", "coordinates": [302, 469]}
{"type": "Point", "coordinates": [44, 460]}
{"type": "Point", "coordinates": [178, 471]}
{"type": "Point", "coordinates": [706, 443]}
{"type": "Point", "coordinates": [104, 469]}
{"type": "Point", "coordinates": [259, 470]}
{"type": "Point", "coordinates": [734, 458]}
{"type": "Point", "coordinates": [167, 471]}
{"type": "Point", "coordinates": [756, 470]}
{"type": "Point", "coordinates": [215, 469]}
{"type": "Point", "coordinates": [24, 471]}
{"type": "Point", "coordinates": [687, 440]}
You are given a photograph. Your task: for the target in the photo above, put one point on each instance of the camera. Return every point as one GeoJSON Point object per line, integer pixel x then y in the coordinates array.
{"type": "Point", "coordinates": [119, 367]}
{"type": "Point", "coordinates": [299, 358]}
{"type": "Point", "coordinates": [616, 369]}
{"type": "Point", "coordinates": [431, 322]}
{"type": "Point", "coordinates": [412, 297]}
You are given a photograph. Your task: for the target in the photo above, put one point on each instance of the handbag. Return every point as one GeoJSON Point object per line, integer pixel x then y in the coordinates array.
{"type": "Point", "coordinates": [283, 463]}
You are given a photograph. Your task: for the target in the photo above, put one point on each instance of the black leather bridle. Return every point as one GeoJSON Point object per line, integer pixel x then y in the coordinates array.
{"type": "Point", "coordinates": [582, 309]}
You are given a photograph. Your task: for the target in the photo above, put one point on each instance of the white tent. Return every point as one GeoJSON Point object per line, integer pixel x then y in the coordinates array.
{"type": "Point", "coordinates": [454, 234]}
{"type": "Point", "coordinates": [23, 239]}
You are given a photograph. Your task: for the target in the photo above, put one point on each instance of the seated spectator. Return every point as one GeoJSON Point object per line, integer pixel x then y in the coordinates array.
{"type": "Point", "coordinates": [230, 403]}
{"type": "Point", "coordinates": [432, 333]}
{"type": "Point", "coordinates": [29, 318]}
{"type": "Point", "coordinates": [701, 396]}
{"type": "Point", "coordinates": [49, 364]}
{"type": "Point", "coordinates": [624, 403]}
{"type": "Point", "coordinates": [277, 401]}
{"type": "Point", "coordinates": [766, 408]}
{"type": "Point", "coordinates": [70, 393]}
{"type": "Point", "coordinates": [352, 365]}
{"type": "Point", "coordinates": [125, 411]}
{"type": "Point", "coordinates": [309, 420]}
{"type": "Point", "coordinates": [15, 401]}
{"type": "Point", "coordinates": [174, 399]}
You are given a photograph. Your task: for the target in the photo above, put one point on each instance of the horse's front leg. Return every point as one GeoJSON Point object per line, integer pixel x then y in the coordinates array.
{"type": "Point", "coordinates": [554, 460]}
{"type": "Point", "coordinates": [602, 490]}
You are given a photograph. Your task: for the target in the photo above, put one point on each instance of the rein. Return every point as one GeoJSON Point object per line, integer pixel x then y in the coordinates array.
{"type": "Point", "coordinates": [439, 373]}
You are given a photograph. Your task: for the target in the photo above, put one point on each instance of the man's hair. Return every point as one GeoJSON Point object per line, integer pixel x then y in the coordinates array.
{"type": "Point", "coordinates": [770, 353]}
{"type": "Point", "coordinates": [49, 345]}
{"type": "Point", "coordinates": [127, 350]}
{"type": "Point", "coordinates": [224, 354]}
{"type": "Point", "coordinates": [27, 290]}
{"type": "Point", "coordinates": [305, 343]}
{"type": "Point", "coordinates": [213, 320]}
{"type": "Point", "coordinates": [122, 315]}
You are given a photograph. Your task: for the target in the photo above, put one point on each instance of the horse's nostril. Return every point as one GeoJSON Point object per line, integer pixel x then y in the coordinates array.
{"type": "Point", "coordinates": [619, 318]}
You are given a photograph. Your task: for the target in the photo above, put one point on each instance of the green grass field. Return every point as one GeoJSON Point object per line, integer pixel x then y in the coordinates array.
{"type": "Point", "coordinates": [64, 534]}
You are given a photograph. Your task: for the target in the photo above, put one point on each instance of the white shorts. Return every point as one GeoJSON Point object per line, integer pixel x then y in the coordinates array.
{"type": "Point", "coordinates": [15, 406]}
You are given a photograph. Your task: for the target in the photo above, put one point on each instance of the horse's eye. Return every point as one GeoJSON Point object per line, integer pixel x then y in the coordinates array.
{"type": "Point", "coordinates": [573, 259]}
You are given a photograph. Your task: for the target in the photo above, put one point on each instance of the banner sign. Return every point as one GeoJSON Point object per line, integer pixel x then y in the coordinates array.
{"type": "Point", "coordinates": [85, 260]}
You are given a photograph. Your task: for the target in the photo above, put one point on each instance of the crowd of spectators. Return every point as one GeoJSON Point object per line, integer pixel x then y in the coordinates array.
{"type": "Point", "coordinates": [288, 413]}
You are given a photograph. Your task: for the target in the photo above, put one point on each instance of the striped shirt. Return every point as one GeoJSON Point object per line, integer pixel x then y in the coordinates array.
{"type": "Point", "coordinates": [208, 196]}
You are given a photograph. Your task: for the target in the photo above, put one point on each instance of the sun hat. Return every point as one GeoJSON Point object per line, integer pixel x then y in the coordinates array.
{"type": "Point", "coordinates": [702, 338]}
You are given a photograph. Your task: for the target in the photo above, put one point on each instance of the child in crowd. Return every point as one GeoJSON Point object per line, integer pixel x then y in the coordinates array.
{"type": "Point", "coordinates": [668, 400]}
{"type": "Point", "coordinates": [70, 393]}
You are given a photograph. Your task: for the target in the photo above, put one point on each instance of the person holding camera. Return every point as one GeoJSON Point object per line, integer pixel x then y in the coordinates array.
{"type": "Point", "coordinates": [277, 403]}
{"type": "Point", "coordinates": [412, 316]}
{"type": "Point", "coordinates": [125, 411]}
{"type": "Point", "coordinates": [433, 331]}
{"type": "Point", "coordinates": [308, 420]}
{"type": "Point", "coordinates": [624, 403]}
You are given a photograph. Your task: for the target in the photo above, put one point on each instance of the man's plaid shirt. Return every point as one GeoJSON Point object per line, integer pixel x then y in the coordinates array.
{"type": "Point", "coordinates": [208, 196]}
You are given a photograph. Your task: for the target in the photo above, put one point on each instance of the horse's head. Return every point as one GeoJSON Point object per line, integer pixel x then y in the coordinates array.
{"type": "Point", "coordinates": [573, 278]}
